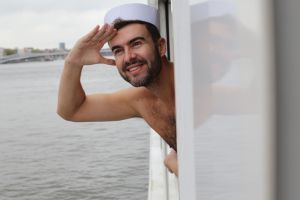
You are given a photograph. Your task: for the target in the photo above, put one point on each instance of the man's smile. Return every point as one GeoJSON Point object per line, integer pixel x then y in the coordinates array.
{"type": "Point", "coordinates": [135, 69]}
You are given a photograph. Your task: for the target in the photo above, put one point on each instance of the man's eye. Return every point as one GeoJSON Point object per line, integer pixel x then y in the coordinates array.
{"type": "Point", "coordinates": [137, 44]}
{"type": "Point", "coordinates": [117, 52]}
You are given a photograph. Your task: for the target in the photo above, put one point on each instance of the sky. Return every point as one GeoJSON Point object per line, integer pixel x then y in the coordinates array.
{"type": "Point", "coordinates": [44, 24]}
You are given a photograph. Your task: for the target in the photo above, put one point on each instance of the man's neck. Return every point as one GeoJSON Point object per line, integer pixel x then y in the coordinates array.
{"type": "Point", "coordinates": [163, 85]}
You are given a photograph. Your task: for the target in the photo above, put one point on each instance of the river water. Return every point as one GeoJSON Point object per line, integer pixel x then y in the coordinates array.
{"type": "Point", "coordinates": [43, 157]}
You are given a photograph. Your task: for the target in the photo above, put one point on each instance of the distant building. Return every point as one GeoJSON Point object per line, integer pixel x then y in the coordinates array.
{"type": "Point", "coordinates": [62, 46]}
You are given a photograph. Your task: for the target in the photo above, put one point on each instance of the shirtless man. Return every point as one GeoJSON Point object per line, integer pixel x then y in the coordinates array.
{"type": "Point", "coordinates": [139, 55]}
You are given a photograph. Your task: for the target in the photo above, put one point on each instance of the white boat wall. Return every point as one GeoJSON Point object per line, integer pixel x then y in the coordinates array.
{"type": "Point", "coordinates": [162, 184]}
{"type": "Point", "coordinates": [237, 107]}
{"type": "Point", "coordinates": [226, 126]}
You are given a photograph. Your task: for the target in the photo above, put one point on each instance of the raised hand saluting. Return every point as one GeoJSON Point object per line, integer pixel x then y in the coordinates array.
{"type": "Point", "coordinates": [86, 51]}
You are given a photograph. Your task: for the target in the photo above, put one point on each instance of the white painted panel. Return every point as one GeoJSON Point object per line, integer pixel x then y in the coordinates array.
{"type": "Point", "coordinates": [184, 100]}
{"type": "Point", "coordinates": [233, 127]}
{"type": "Point", "coordinates": [231, 98]}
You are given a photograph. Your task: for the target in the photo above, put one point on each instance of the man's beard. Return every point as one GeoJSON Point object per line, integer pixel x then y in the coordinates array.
{"type": "Point", "coordinates": [153, 70]}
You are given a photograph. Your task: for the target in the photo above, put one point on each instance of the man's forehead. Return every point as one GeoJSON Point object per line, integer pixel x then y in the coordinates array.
{"type": "Point", "coordinates": [129, 32]}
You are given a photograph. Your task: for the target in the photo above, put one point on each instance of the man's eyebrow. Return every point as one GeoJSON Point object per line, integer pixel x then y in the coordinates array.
{"type": "Point", "coordinates": [135, 39]}
{"type": "Point", "coordinates": [130, 41]}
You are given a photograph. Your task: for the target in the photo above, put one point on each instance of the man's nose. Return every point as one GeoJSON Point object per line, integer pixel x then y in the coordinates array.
{"type": "Point", "coordinates": [129, 55]}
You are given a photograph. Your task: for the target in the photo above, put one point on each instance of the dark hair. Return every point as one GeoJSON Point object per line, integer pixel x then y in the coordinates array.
{"type": "Point", "coordinates": [155, 35]}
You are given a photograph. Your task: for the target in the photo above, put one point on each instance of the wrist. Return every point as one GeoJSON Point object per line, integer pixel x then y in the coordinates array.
{"type": "Point", "coordinates": [72, 62]}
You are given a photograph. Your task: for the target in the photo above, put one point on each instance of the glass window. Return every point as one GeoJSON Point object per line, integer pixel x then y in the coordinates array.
{"type": "Point", "coordinates": [232, 98]}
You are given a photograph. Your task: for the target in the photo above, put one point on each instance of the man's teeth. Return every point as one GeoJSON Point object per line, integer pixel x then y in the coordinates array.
{"type": "Point", "coordinates": [133, 69]}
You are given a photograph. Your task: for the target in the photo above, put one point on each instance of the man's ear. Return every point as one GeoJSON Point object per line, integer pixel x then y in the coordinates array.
{"type": "Point", "coordinates": [162, 46]}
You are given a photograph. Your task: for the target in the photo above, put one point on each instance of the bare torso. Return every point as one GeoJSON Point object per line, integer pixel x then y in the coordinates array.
{"type": "Point", "coordinates": [159, 115]}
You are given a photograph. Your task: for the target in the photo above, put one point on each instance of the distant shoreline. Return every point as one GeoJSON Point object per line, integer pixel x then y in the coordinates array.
{"type": "Point", "coordinates": [42, 57]}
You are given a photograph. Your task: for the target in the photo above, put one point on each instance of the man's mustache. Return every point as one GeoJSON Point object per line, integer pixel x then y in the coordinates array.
{"type": "Point", "coordinates": [133, 62]}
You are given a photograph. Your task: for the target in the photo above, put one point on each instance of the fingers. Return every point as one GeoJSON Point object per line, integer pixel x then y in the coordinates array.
{"type": "Point", "coordinates": [110, 36]}
{"type": "Point", "coordinates": [96, 37]}
{"type": "Point", "coordinates": [171, 162]}
{"type": "Point", "coordinates": [91, 34]}
{"type": "Point", "coordinates": [97, 34]}
{"type": "Point", "coordinates": [109, 33]}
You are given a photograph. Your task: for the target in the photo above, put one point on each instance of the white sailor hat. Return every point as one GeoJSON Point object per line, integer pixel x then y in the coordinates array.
{"type": "Point", "coordinates": [133, 11]}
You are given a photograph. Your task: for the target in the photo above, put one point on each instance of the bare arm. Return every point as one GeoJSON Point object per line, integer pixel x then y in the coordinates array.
{"type": "Point", "coordinates": [71, 94]}
{"type": "Point", "coordinates": [73, 104]}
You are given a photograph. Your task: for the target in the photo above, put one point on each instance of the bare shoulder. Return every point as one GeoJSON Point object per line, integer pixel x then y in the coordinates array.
{"type": "Point", "coordinates": [139, 98]}
{"type": "Point", "coordinates": [134, 96]}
